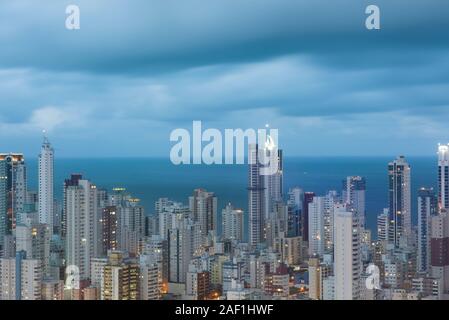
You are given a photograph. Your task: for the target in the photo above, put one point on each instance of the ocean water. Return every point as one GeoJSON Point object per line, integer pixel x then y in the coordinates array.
{"type": "Point", "coordinates": [152, 178]}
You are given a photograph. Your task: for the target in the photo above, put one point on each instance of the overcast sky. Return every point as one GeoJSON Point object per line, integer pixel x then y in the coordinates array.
{"type": "Point", "coordinates": [138, 69]}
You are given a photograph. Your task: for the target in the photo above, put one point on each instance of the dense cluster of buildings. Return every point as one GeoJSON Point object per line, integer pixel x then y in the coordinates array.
{"type": "Point", "coordinates": [102, 244]}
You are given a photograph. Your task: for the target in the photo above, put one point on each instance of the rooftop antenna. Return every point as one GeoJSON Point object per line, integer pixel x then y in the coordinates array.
{"type": "Point", "coordinates": [44, 133]}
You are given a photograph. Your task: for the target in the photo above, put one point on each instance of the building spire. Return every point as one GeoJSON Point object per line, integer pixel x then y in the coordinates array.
{"type": "Point", "coordinates": [45, 137]}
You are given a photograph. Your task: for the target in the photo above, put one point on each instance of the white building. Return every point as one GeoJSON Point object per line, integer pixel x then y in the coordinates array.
{"type": "Point", "coordinates": [184, 241]}
{"type": "Point", "coordinates": [96, 272]}
{"type": "Point", "coordinates": [272, 183]}
{"type": "Point", "coordinates": [150, 278]}
{"type": "Point", "coordinates": [232, 220]}
{"type": "Point", "coordinates": [347, 264]}
{"type": "Point", "coordinates": [83, 239]}
{"type": "Point", "coordinates": [443, 176]}
{"type": "Point", "coordinates": [383, 225]}
{"type": "Point", "coordinates": [238, 291]}
{"type": "Point", "coordinates": [316, 226]}
{"type": "Point", "coordinates": [35, 241]}
{"type": "Point", "coordinates": [166, 209]}
{"type": "Point", "coordinates": [330, 200]}
{"type": "Point", "coordinates": [256, 210]}
{"type": "Point", "coordinates": [329, 288]}
{"type": "Point", "coordinates": [46, 189]}
{"type": "Point", "coordinates": [20, 278]}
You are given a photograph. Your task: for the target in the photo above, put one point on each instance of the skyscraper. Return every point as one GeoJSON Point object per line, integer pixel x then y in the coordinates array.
{"type": "Point", "coordinates": [13, 191]}
{"type": "Point", "coordinates": [399, 183]}
{"type": "Point", "coordinates": [347, 264]}
{"type": "Point", "coordinates": [427, 208]}
{"type": "Point", "coordinates": [255, 197]}
{"type": "Point", "coordinates": [131, 225]}
{"type": "Point", "coordinates": [308, 198]}
{"type": "Point", "coordinates": [110, 229]}
{"type": "Point", "coordinates": [20, 278]}
{"type": "Point", "coordinates": [443, 176]}
{"type": "Point", "coordinates": [34, 240]}
{"type": "Point", "coordinates": [330, 200]}
{"type": "Point", "coordinates": [383, 225]}
{"type": "Point", "coordinates": [83, 239]}
{"type": "Point", "coordinates": [203, 206]}
{"type": "Point", "coordinates": [439, 244]}
{"type": "Point", "coordinates": [294, 203]}
{"type": "Point", "coordinates": [150, 278]}
{"type": "Point", "coordinates": [316, 226]}
{"type": "Point", "coordinates": [354, 195]}
{"type": "Point", "coordinates": [232, 220]}
{"type": "Point", "coordinates": [120, 278]}
{"type": "Point", "coordinates": [46, 190]}
{"type": "Point", "coordinates": [272, 186]}
{"type": "Point", "coordinates": [183, 241]}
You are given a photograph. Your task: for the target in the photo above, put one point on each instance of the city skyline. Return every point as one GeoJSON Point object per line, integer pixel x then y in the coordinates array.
{"type": "Point", "coordinates": [110, 247]}
{"type": "Point", "coordinates": [224, 150]}
{"type": "Point", "coordinates": [312, 70]}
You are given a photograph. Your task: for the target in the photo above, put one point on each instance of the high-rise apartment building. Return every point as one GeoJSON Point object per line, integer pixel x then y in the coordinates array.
{"type": "Point", "coordinates": [197, 283]}
{"type": "Point", "coordinates": [120, 278]}
{"type": "Point", "coordinates": [150, 277]}
{"type": "Point", "coordinates": [131, 225]}
{"type": "Point", "coordinates": [203, 206]}
{"type": "Point", "coordinates": [308, 198]}
{"type": "Point", "coordinates": [53, 290]}
{"type": "Point", "coordinates": [318, 271]}
{"type": "Point", "coordinates": [184, 241]}
{"type": "Point", "coordinates": [13, 192]}
{"type": "Point", "coordinates": [110, 229]}
{"type": "Point", "coordinates": [383, 224]}
{"type": "Point", "coordinates": [439, 243]}
{"type": "Point", "coordinates": [316, 226]}
{"type": "Point", "coordinates": [399, 186]}
{"type": "Point", "coordinates": [443, 176]}
{"type": "Point", "coordinates": [20, 278]}
{"type": "Point", "coordinates": [34, 240]}
{"type": "Point", "coordinates": [427, 208]}
{"type": "Point", "coordinates": [294, 203]}
{"type": "Point", "coordinates": [232, 223]}
{"type": "Point", "coordinates": [272, 183]}
{"type": "Point", "coordinates": [347, 257]}
{"type": "Point", "coordinates": [45, 184]}
{"type": "Point", "coordinates": [83, 238]}
{"type": "Point", "coordinates": [330, 199]}
{"type": "Point", "coordinates": [255, 198]}
{"type": "Point", "coordinates": [353, 193]}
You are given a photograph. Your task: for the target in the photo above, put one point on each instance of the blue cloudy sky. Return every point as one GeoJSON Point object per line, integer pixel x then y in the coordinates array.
{"type": "Point", "coordinates": [138, 69]}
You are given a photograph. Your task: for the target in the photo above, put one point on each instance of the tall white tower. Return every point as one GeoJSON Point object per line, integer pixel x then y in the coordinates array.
{"type": "Point", "coordinates": [347, 265]}
{"type": "Point", "coordinates": [316, 226]}
{"type": "Point", "coordinates": [255, 198]}
{"type": "Point", "coordinates": [443, 176]}
{"type": "Point", "coordinates": [46, 190]}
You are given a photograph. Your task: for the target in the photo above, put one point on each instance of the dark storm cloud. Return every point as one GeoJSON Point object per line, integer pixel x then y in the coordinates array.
{"type": "Point", "coordinates": [156, 36]}
{"type": "Point", "coordinates": [144, 66]}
